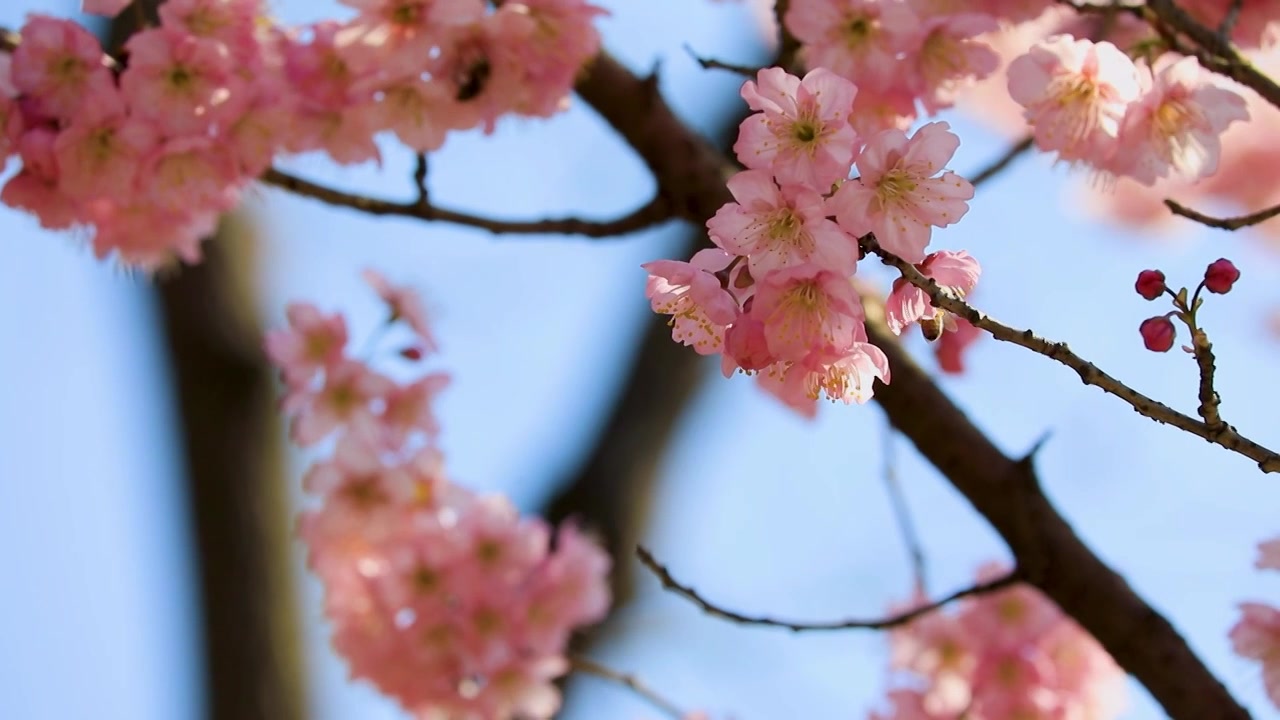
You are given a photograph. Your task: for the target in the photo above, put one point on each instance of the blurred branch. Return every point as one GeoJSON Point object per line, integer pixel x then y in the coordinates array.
{"type": "Point", "coordinates": [902, 512]}
{"type": "Point", "coordinates": [1219, 434]}
{"type": "Point", "coordinates": [687, 592]}
{"type": "Point", "coordinates": [999, 164]}
{"type": "Point", "coordinates": [707, 63]}
{"type": "Point", "coordinates": [1005, 491]}
{"type": "Point", "coordinates": [1231, 223]}
{"type": "Point", "coordinates": [652, 213]}
{"type": "Point", "coordinates": [586, 666]}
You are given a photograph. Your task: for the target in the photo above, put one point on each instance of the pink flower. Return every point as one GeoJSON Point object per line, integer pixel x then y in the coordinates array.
{"type": "Point", "coordinates": [692, 295]}
{"type": "Point", "coordinates": [149, 237]}
{"type": "Point", "coordinates": [1269, 555]}
{"type": "Point", "coordinates": [231, 23]}
{"type": "Point", "coordinates": [1076, 93]}
{"type": "Point", "coordinates": [950, 58]}
{"type": "Point", "coordinates": [802, 132]}
{"type": "Point", "coordinates": [897, 196]}
{"type": "Point", "coordinates": [779, 227]}
{"type": "Point", "coordinates": [807, 309]}
{"type": "Point", "coordinates": [109, 8]}
{"type": "Point", "coordinates": [950, 348]}
{"type": "Point", "coordinates": [313, 343]}
{"type": "Point", "coordinates": [1175, 128]}
{"type": "Point", "coordinates": [99, 153]}
{"type": "Point", "coordinates": [192, 171]}
{"type": "Point", "coordinates": [847, 376]}
{"type": "Point", "coordinates": [413, 109]}
{"type": "Point", "coordinates": [60, 65]}
{"type": "Point", "coordinates": [346, 399]}
{"type": "Point", "coordinates": [409, 409]}
{"type": "Point", "coordinates": [1257, 636]}
{"type": "Point", "coordinates": [397, 36]}
{"type": "Point", "coordinates": [180, 82]}
{"type": "Point", "coordinates": [745, 347]}
{"type": "Point", "coordinates": [403, 303]}
{"type": "Point", "coordinates": [874, 111]}
{"type": "Point", "coordinates": [954, 271]}
{"type": "Point", "coordinates": [36, 187]}
{"type": "Point", "coordinates": [855, 39]}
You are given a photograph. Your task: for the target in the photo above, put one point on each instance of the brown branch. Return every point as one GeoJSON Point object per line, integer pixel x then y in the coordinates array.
{"type": "Point", "coordinates": [9, 40]}
{"type": "Point", "coordinates": [1005, 160]}
{"type": "Point", "coordinates": [652, 213]}
{"type": "Point", "coordinates": [1220, 434]}
{"type": "Point", "coordinates": [1214, 52]}
{"type": "Point", "coordinates": [687, 592]}
{"type": "Point", "coordinates": [1230, 223]}
{"type": "Point", "coordinates": [1048, 552]}
{"type": "Point", "coordinates": [586, 666]}
{"type": "Point", "coordinates": [1209, 399]}
{"type": "Point", "coordinates": [707, 63]}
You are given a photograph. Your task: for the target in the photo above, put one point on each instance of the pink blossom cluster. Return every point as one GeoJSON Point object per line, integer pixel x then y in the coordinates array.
{"type": "Point", "coordinates": [999, 656]}
{"type": "Point", "coordinates": [446, 600]}
{"type": "Point", "coordinates": [906, 56]}
{"type": "Point", "coordinates": [1092, 104]}
{"type": "Point", "coordinates": [149, 147]}
{"type": "Point", "coordinates": [1257, 634]}
{"type": "Point", "coordinates": [775, 296]}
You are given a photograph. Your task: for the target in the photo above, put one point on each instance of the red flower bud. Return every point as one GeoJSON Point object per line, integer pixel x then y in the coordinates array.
{"type": "Point", "coordinates": [412, 352]}
{"type": "Point", "coordinates": [1150, 284]}
{"type": "Point", "coordinates": [1220, 276]}
{"type": "Point", "coordinates": [1158, 333]}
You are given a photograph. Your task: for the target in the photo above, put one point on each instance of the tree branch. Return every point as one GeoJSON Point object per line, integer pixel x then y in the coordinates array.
{"type": "Point", "coordinates": [999, 164]}
{"type": "Point", "coordinates": [1221, 434]}
{"type": "Point", "coordinates": [586, 666]}
{"type": "Point", "coordinates": [1231, 223]}
{"type": "Point", "coordinates": [687, 592]}
{"type": "Point", "coordinates": [1049, 554]}
{"type": "Point", "coordinates": [652, 213]}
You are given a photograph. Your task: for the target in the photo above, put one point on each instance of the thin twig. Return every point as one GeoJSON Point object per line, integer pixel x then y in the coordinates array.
{"type": "Point", "coordinates": [712, 64]}
{"type": "Point", "coordinates": [885, 623]}
{"type": "Point", "coordinates": [420, 180]}
{"type": "Point", "coordinates": [1229, 20]}
{"type": "Point", "coordinates": [1002, 162]}
{"type": "Point", "coordinates": [1222, 434]}
{"type": "Point", "coordinates": [652, 213]}
{"type": "Point", "coordinates": [1230, 223]}
{"type": "Point", "coordinates": [902, 512]}
{"type": "Point", "coordinates": [586, 666]}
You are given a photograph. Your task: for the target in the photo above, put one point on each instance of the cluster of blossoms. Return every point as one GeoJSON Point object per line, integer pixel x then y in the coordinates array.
{"type": "Point", "coordinates": [1158, 333]}
{"type": "Point", "coordinates": [1257, 634]}
{"type": "Point", "coordinates": [149, 147]}
{"type": "Point", "coordinates": [998, 656]}
{"type": "Point", "coordinates": [775, 296]}
{"type": "Point", "coordinates": [448, 601]}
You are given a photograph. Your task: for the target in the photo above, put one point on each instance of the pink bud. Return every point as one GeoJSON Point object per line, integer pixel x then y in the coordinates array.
{"type": "Point", "coordinates": [1158, 333]}
{"type": "Point", "coordinates": [412, 352]}
{"type": "Point", "coordinates": [1150, 284]}
{"type": "Point", "coordinates": [1220, 276]}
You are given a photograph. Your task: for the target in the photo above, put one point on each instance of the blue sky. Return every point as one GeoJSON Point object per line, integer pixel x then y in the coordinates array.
{"type": "Point", "coordinates": [762, 510]}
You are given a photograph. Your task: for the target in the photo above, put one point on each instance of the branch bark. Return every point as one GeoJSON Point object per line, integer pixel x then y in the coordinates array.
{"type": "Point", "coordinates": [1004, 490]}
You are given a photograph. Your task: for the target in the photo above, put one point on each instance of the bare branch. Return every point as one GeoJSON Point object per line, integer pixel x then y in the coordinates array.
{"type": "Point", "coordinates": [420, 180]}
{"type": "Point", "coordinates": [1209, 399]}
{"type": "Point", "coordinates": [652, 213]}
{"type": "Point", "coordinates": [901, 511]}
{"type": "Point", "coordinates": [708, 63]}
{"type": "Point", "coordinates": [1231, 223]}
{"type": "Point", "coordinates": [999, 164]}
{"type": "Point", "coordinates": [586, 666]}
{"type": "Point", "coordinates": [892, 621]}
{"type": "Point", "coordinates": [1220, 434]}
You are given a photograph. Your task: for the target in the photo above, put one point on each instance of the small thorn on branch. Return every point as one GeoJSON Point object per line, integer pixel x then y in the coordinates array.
{"type": "Point", "coordinates": [712, 64]}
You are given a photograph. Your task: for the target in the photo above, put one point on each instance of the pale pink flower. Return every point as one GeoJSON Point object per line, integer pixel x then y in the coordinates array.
{"type": "Point", "coordinates": [346, 399]}
{"type": "Point", "coordinates": [874, 111]}
{"type": "Point", "coordinates": [149, 237]}
{"type": "Point", "coordinates": [1088, 681]}
{"type": "Point", "coordinates": [59, 65]}
{"type": "Point", "coordinates": [557, 37]}
{"type": "Point", "coordinates": [692, 295]}
{"type": "Point", "coordinates": [745, 347]}
{"type": "Point", "coordinates": [807, 309]}
{"type": "Point", "coordinates": [1175, 128]}
{"type": "Point", "coordinates": [951, 57]}
{"type": "Point", "coordinates": [847, 376]}
{"type": "Point", "coordinates": [1075, 93]}
{"type": "Point", "coordinates": [1269, 555]}
{"type": "Point", "coordinates": [410, 409]}
{"type": "Point", "coordinates": [398, 36]}
{"type": "Point", "coordinates": [403, 303]}
{"type": "Point", "coordinates": [780, 227]}
{"type": "Point", "coordinates": [182, 83]}
{"type": "Point", "coordinates": [233, 23]}
{"type": "Point", "coordinates": [856, 39]}
{"type": "Point", "coordinates": [36, 187]}
{"type": "Point", "coordinates": [99, 153]}
{"type": "Point", "coordinates": [794, 395]}
{"type": "Point", "coordinates": [109, 8]}
{"type": "Point", "coordinates": [802, 132]}
{"type": "Point", "coordinates": [313, 343]}
{"type": "Point", "coordinates": [346, 134]}
{"type": "Point", "coordinates": [1257, 636]}
{"type": "Point", "coordinates": [897, 196]}
{"type": "Point", "coordinates": [191, 171]}
{"type": "Point", "coordinates": [907, 304]}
